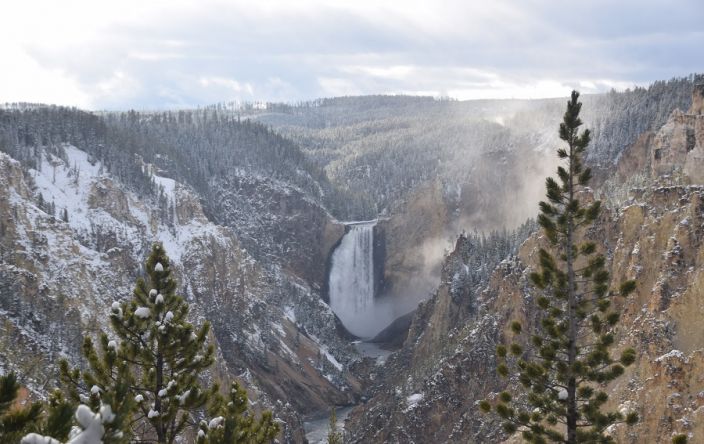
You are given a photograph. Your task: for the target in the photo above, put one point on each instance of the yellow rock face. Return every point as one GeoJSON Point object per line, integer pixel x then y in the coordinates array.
{"type": "Point", "coordinates": [659, 242]}
{"type": "Point", "coordinates": [679, 145]}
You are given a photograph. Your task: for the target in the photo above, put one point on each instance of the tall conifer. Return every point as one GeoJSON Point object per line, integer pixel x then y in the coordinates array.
{"type": "Point", "coordinates": [145, 385]}
{"type": "Point", "coordinates": [564, 372]}
{"type": "Point", "coordinates": [157, 359]}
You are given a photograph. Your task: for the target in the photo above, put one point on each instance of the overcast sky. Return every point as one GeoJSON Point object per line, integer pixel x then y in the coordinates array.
{"type": "Point", "coordinates": [105, 54]}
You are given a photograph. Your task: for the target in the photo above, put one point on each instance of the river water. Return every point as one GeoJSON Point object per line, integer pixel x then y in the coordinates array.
{"type": "Point", "coordinates": [317, 428]}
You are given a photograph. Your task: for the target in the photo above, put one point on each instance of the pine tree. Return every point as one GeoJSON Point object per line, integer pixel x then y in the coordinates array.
{"type": "Point", "coordinates": [108, 385]}
{"type": "Point", "coordinates": [233, 425]}
{"type": "Point", "coordinates": [15, 421]}
{"type": "Point", "coordinates": [334, 436]}
{"type": "Point", "coordinates": [91, 428]}
{"type": "Point", "coordinates": [151, 373]}
{"type": "Point", "coordinates": [157, 358]}
{"type": "Point", "coordinates": [168, 353]}
{"type": "Point", "coordinates": [562, 378]}
{"type": "Point", "coordinates": [51, 419]}
{"type": "Point", "coordinates": [56, 419]}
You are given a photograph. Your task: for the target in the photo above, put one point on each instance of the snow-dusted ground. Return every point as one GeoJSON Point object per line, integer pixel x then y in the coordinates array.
{"type": "Point", "coordinates": [69, 185]}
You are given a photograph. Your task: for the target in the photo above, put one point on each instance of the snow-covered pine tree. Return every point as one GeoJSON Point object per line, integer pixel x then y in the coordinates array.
{"type": "Point", "coordinates": [91, 428]}
{"type": "Point", "coordinates": [146, 384]}
{"type": "Point", "coordinates": [167, 352]}
{"type": "Point", "coordinates": [52, 419]}
{"type": "Point", "coordinates": [106, 389]}
{"type": "Point", "coordinates": [562, 379]}
{"type": "Point", "coordinates": [232, 424]}
{"type": "Point", "coordinates": [155, 362]}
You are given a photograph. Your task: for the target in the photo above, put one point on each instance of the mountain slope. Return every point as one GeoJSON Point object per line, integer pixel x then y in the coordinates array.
{"type": "Point", "coordinates": [447, 365]}
{"type": "Point", "coordinates": [58, 279]}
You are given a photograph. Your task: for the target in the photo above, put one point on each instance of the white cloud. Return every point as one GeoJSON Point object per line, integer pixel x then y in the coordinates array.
{"type": "Point", "coordinates": [159, 53]}
{"type": "Point", "coordinates": [154, 56]}
{"type": "Point", "coordinates": [23, 79]}
{"type": "Point", "coordinates": [398, 72]}
{"type": "Point", "coordinates": [221, 82]}
{"type": "Point", "coordinates": [336, 87]}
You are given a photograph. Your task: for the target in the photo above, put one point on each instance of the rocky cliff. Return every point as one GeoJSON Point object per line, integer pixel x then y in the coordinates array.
{"type": "Point", "coordinates": [59, 275]}
{"type": "Point", "coordinates": [279, 223]}
{"type": "Point", "coordinates": [431, 387]}
{"type": "Point", "coordinates": [679, 145]}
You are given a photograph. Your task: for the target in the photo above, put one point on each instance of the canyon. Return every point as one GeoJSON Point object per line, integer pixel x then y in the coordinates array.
{"type": "Point", "coordinates": [299, 267]}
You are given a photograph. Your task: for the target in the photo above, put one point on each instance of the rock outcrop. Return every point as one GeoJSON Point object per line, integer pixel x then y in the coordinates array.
{"type": "Point", "coordinates": [679, 145]}
{"type": "Point", "coordinates": [414, 241]}
{"type": "Point", "coordinates": [278, 222]}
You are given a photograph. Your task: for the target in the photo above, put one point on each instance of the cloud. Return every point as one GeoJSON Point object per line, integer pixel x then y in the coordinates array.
{"type": "Point", "coordinates": [23, 79]}
{"type": "Point", "coordinates": [134, 54]}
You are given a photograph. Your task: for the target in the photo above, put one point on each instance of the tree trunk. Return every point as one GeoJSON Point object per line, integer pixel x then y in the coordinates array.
{"type": "Point", "coordinates": [161, 436]}
{"type": "Point", "coordinates": [572, 322]}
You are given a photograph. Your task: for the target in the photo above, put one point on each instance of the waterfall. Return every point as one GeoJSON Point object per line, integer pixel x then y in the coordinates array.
{"type": "Point", "coordinates": [351, 281]}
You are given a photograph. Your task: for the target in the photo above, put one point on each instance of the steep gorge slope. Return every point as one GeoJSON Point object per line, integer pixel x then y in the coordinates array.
{"type": "Point", "coordinates": [58, 278]}
{"type": "Point", "coordinates": [431, 387]}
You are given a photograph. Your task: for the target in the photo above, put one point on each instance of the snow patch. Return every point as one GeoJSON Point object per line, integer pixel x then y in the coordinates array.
{"type": "Point", "coordinates": [182, 398]}
{"type": "Point", "coordinates": [169, 186]}
{"type": "Point", "coordinates": [676, 354]}
{"type": "Point", "coordinates": [215, 422]}
{"type": "Point", "coordinates": [413, 400]}
{"type": "Point", "coordinates": [290, 314]}
{"type": "Point", "coordinates": [142, 312]}
{"type": "Point", "coordinates": [34, 438]}
{"type": "Point", "coordinates": [331, 358]}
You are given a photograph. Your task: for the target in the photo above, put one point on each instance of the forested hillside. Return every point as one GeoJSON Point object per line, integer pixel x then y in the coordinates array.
{"type": "Point", "coordinates": [232, 165]}
{"type": "Point", "coordinates": [193, 146]}
{"type": "Point", "coordinates": [380, 148]}
{"type": "Point", "coordinates": [361, 156]}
